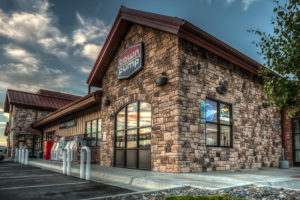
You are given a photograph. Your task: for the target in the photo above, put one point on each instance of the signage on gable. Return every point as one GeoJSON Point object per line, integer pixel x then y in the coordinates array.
{"type": "Point", "coordinates": [130, 61]}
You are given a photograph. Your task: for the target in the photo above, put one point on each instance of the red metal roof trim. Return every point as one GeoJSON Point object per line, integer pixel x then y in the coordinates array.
{"type": "Point", "coordinates": [42, 100]}
{"type": "Point", "coordinates": [60, 95]}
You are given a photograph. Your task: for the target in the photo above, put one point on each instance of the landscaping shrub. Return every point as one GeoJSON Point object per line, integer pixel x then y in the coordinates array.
{"type": "Point", "coordinates": [189, 197]}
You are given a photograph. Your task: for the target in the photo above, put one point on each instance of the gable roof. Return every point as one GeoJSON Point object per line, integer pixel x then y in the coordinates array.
{"type": "Point", "coordinates": [43, 99]}
{"type": "Point", "coordinates": [60, 95]}
{"type": "Point", "coordinates": [172, 25]}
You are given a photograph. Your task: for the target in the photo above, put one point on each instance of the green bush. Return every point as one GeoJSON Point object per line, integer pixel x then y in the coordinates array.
{"type": "Point", "coordinates": [189, 197]}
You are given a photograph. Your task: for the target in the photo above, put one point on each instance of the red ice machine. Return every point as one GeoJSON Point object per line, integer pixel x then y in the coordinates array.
{"type": "Point", "coordinates": [47, 149]}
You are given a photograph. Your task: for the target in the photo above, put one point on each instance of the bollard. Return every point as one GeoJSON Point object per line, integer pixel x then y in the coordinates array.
{"type": "Point", "coordinates": [88, 163]}
{"type": "Point", "coordinates": [16, 155]}
{"type": "Point", "coordinates": [67, 161]}
{"type": "Point", "coordinates": [26, 157]}
{"type": "Point", "coordinates": [12, 153]}
{"type": "Point", "coordinates": [19, 152]}
{"type": "Point", "coordinates": [22, 155]}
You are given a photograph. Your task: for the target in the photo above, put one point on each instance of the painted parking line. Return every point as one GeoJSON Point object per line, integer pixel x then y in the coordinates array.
{"type": "Point", "coordinates": [38, 186]}
{"type": "Point", "coordinates": [29, 176]}
{"type": "Point", "coordinates": [21, 170]}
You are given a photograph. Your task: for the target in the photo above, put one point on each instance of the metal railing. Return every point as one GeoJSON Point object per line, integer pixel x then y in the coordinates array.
{"type": "Point", "coordinates": [67, 161]}
{"type": "Point", "coordinates": [88, 163]}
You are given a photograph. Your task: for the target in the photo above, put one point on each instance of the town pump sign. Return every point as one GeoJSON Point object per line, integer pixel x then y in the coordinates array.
{"type": "Point", "coordinates": [130, 61]}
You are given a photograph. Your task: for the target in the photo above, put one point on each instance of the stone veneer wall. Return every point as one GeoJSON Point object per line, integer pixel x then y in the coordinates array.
{"type": "Point", "coordinates": [160, 55]}
{"type": "Point", "coordinates": [255, 142]}
{"type": "Point", "coordinates": [21, 120]}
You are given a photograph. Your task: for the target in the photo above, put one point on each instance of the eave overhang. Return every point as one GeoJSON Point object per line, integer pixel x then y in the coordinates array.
{"type": "Point", "coordinates": [78, 105]}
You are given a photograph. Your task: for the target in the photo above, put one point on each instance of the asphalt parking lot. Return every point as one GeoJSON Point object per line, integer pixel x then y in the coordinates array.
{"type": "Point", "coordinates": [25, 182]}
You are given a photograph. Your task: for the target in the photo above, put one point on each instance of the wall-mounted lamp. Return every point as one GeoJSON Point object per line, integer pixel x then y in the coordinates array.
{"type": "Point", "coordinates": [199, 66]}
{"type": "Point", "coordinates": [163, 80]}
{"type": "Point", "coordinates": [106, 102]}
{"type": "Point", "coordinates": [221, 89]}
{"type": "Point", "coordinates": [266, 104]}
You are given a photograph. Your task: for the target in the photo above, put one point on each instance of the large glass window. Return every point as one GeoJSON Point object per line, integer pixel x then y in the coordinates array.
{"type": "Point", "coordinates": [93, 132]}
{"type": "Point", "coordinates": [218, 123]}
{"type": "Point", "coordinates": [133, 126]}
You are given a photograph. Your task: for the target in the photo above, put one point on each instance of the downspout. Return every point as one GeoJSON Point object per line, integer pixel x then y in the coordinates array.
{"type": "Point", "coordinates": [282, 129]}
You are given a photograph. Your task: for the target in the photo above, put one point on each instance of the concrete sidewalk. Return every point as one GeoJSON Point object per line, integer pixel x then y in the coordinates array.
{"type": "Point", "coordinates": [140, 180]}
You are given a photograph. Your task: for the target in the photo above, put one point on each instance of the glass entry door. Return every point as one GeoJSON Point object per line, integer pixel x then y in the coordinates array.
{"type": "Point", "coordinates": [133, 136]}
{"type": "Point", "coordinates": [296, 141]}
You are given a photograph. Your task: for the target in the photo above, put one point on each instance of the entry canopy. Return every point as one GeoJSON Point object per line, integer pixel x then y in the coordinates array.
{"type": "Point", "coordinates": [172, 25]}
{"type": "Point", "coordinates": [80, 104]}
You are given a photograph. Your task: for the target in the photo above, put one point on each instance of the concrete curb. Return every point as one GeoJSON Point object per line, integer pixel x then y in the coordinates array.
{"type": "Point", "coordinates": [135, 181]}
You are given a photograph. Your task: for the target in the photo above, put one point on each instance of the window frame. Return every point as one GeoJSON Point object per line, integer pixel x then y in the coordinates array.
{"type": "Point", "coordinates": [48, 135]}
{"type": "Point", "coordinates": [219, 124]}
{"type": "Point", "coordinates": [128, 129]}
{"type": "Point", "coordinates": [89, 135]}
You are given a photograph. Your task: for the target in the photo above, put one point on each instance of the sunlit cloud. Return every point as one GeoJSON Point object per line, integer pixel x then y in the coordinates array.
{"type": "Point", "coordinates": [37, 27]}
{"type": "Point", "coordinates": [89, 36]}
{"type": "Point", "coordinates": [245, 3]}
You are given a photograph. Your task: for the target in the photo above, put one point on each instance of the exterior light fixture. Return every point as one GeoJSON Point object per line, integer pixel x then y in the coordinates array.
{"type": "Point", "coordinates": [163, 80]}
{"type": "Point", "coordinates": [266, 104]}
{"type": "Point", "coordinates": [106, 102]}
{"type": "Point", "coordinates": [199, 66]}
{"type": "Point", "coordinates": [222, 89]}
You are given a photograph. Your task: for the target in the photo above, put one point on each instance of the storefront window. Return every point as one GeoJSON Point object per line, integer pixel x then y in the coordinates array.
{"type": "Point", "coordinates": [99, 132]}
{"type": "Point", "coordinates": [132, 116]}
{"type": "Point", "coordinates": [93, 132]}
{"type": "Point", "coordinates": [145, 137]}
{"type": "Point", "coordinates": [121, 120]}
{"type": "Point", "coordinates": [133, 126]}
{"type": "Point", "coordinates": [120, 139]}
{"type": "Point", "coordinates": [50, 135]}
{"type": "Point", "coordinates": [218, 123]}
{"type": "Point", "coordinates": [88, 128]}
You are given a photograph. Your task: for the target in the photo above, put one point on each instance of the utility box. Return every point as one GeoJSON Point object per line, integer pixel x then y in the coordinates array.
{"type": "Point", "coordinates": [61, 145]}
{"type": "Point", "coordinates": [78, 143]}
{"type": "Point", "coordinates": [54, 150]}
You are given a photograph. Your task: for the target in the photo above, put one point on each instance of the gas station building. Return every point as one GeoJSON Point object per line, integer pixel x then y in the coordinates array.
{"type": "Point", "coordinates": [169, 97]}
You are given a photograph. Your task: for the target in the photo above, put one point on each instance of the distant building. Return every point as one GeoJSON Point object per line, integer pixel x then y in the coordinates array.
{"type": "Point", "coordinates": [24, 108]}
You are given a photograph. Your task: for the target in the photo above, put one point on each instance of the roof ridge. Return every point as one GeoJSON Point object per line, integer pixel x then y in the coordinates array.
{"type": "Point", "coordinates": [21, 91]}
{"type": "Point", "coordinates": [57, 96]}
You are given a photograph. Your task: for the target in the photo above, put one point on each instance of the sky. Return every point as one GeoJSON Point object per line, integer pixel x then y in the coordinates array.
{"type": "Point", "coordinates": [53, 44]}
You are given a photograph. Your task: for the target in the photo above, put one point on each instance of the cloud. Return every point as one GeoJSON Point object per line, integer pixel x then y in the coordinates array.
{"type": "Point", "coordinates": [91, 51]}
{"type": "Point", "coordinates": [2, 113]}
{"type": "Point", "coordinates": [245, 3]}
{"type": "Point", "coordinates": [36, 54]}
{"type": "Point", "coordinates": [89, 36]}
{"type": "Point", "coordinates": [37, 27]}
{"type": "Point", "coordinates": [21, 55]}
{"type": "Point", "coordinates": [86, 70]}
